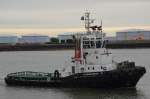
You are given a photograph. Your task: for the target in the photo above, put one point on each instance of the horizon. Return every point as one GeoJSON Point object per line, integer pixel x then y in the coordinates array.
{"type": "Point", "coordinates": [54, 32]}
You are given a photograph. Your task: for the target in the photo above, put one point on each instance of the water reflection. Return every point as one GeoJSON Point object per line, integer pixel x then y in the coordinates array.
{"type": "Point", "coordinates": [73, 93]}
{"type": "Point", "coordinates": [122, 93]}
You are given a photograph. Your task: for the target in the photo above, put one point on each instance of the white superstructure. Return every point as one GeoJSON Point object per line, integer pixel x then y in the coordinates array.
{"type": "Point", "coordinates": [90, 52]}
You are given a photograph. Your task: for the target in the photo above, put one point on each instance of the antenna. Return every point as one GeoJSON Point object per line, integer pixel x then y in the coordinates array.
{"type": "Point", "coordinates": [101, 30]}
{"type": "Point", "coordinates": [101, 26]}
{"type": "Point", "coordinates": [88, 21]}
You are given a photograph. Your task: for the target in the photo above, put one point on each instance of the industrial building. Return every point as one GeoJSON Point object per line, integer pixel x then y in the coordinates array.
{"type": "Point", "coordinates": [8, 39]}
{"type": "Point", "coordinates": [133, 34]}
{"type": "Point", "coordinates": [110, 38]}
{"type": "Point", "coordinates": [65, 38]}
{"type": "Point", "coordinates": [34, 39]}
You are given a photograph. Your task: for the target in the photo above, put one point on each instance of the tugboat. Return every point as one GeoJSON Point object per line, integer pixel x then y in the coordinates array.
{"type": "Point", "coordinates": [92, 66]}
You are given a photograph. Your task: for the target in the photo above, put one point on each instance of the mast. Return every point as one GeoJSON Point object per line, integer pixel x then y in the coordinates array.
{"type": "Point", "coordinates": [101, 30]}
{"type": "Point", "coordinates": [88, 21]}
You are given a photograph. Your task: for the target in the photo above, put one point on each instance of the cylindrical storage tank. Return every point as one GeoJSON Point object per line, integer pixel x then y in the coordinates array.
{"type": "Point", "coordinates": [121, 35]}
{"type": "Point", "coordinates": [5, 39]}
{"type": "Point", "coordinates": [34, 39]}
{"type": "Point", "coordinates": [133, 34]}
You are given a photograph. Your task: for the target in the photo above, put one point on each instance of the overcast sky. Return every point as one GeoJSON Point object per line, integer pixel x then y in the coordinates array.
{"type": "Point", "coordinates": [52, 14]}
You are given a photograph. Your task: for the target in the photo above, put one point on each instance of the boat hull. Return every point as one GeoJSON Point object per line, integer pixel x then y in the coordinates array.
{"type": "Point", "coordinates": [106, 79]}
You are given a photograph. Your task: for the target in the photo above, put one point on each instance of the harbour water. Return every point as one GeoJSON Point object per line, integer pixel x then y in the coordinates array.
{"type": "Point", "coordinates": [48, 61]}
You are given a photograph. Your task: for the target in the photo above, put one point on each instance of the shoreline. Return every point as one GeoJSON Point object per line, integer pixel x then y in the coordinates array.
{"type": "Point", "coordinates": [35, 47]}
{"type": "Point", "coordinates": [52, 47]}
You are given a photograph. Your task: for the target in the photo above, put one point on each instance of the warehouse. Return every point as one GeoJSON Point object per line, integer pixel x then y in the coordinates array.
{"type": "Point", "coordinates": [110, 38]}
{"type": "Point", "coordinates": [68, 38]}
{"type": "Point", "coordinates": [133, 34]}
{"type": "Point", "coordinates": [8, 39]}
{"type": "Point", "coordinates": [34, 39]}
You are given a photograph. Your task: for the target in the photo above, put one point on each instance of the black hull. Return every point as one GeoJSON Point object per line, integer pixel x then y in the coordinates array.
{"type": "Point", "coordinates": [108, 79]}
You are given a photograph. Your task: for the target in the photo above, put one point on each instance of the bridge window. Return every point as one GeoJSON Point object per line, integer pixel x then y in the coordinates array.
{"type": "Point", "coordinates": [98, 44]}
{"type": "Point", "coordinates": [86, 44]}
{"type": "Point", "coordinates": [89, 44]}
{"type": "Point", "coordinates": [92, 44]}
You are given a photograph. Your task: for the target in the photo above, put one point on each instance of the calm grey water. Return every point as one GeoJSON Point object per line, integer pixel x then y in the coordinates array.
{"type": "Point", "coordinates": [47, 61]}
